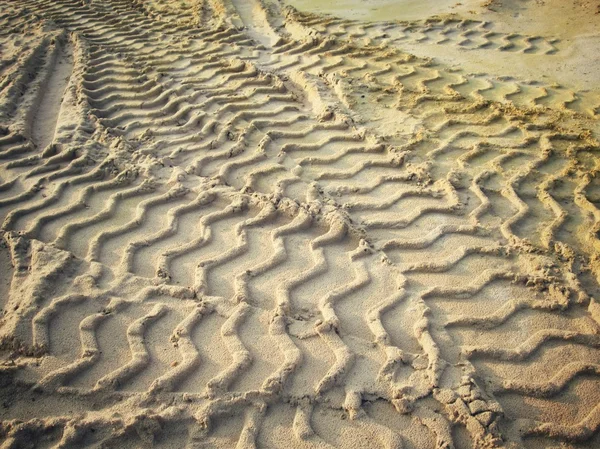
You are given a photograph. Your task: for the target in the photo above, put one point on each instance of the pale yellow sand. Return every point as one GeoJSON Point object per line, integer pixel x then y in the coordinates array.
{"type": "Point", "coordinates": [260, 224]}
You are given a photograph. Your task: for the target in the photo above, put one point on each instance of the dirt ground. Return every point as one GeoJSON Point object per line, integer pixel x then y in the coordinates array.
{"type": "Point", "coordinates": [299, 224]}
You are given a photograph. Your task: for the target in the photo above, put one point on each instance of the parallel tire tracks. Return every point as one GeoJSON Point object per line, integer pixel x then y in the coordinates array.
{"type": "Point", "coordinates": [255, 225]}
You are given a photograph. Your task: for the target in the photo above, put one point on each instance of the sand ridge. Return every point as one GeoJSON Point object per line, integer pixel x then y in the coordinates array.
{"type": "Point", "coordinates": [260, 227]}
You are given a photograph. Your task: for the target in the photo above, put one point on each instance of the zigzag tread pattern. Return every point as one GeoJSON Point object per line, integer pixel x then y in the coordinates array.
{"type": "Point", "coordinates": [210, 241]}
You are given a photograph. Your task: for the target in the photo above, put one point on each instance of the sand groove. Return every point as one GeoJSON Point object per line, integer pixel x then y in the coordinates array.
{"type": "Point", "coordinates": [254, 225]}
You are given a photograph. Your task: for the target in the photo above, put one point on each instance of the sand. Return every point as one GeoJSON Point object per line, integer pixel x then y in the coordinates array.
{"type": "Point", "coordinates": [303, 224]}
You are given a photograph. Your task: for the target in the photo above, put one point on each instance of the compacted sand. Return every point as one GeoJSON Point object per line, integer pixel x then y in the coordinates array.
{"type": "Point", "coordinates": [303, 224]}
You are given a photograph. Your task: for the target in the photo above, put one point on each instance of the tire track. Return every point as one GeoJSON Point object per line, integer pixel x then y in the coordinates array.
{"type": "Point", "coordinates": [251, 221]}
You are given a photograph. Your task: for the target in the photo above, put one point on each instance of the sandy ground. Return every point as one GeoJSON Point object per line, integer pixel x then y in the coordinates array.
{"type": "Point", "coordinates": [303, 224]}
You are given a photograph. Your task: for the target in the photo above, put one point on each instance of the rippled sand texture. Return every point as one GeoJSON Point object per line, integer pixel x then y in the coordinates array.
{"type": "Point", "coordinates": [230, 223]}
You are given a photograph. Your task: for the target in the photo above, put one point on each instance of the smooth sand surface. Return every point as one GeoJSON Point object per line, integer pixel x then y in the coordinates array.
{"type": "Point", "coordinates": [299, 224]}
